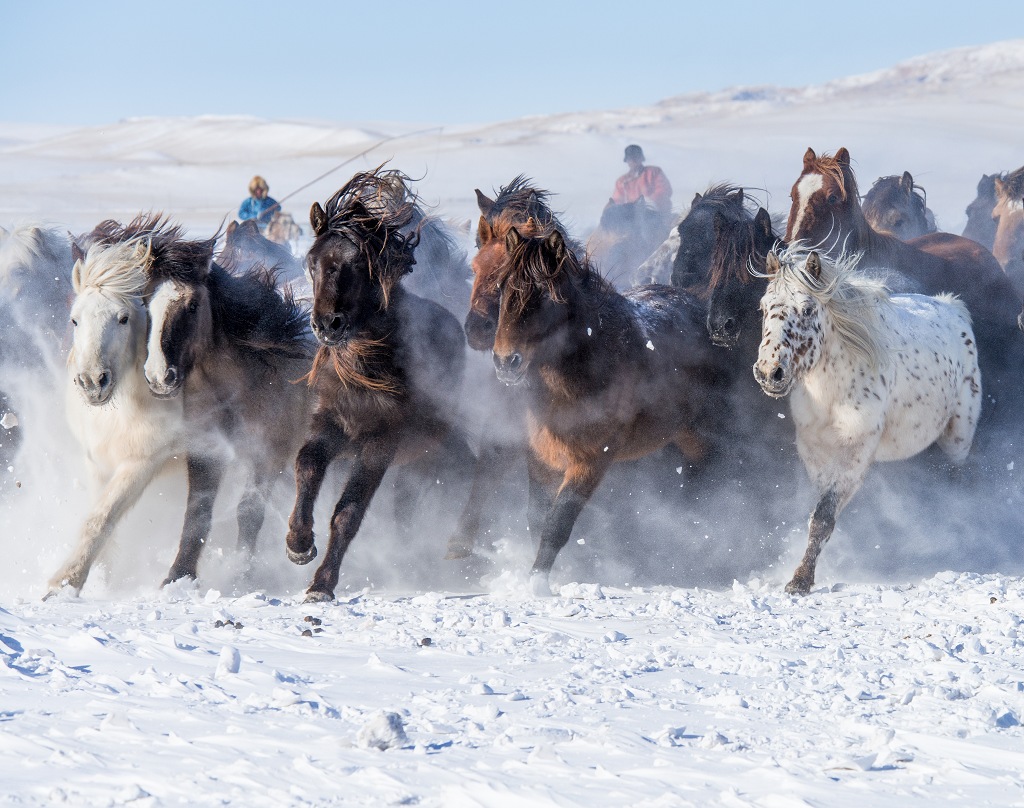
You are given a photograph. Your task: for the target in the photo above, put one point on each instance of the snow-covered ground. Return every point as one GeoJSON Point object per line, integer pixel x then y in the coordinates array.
{"type": "Point", "coordinates": [647, 679]}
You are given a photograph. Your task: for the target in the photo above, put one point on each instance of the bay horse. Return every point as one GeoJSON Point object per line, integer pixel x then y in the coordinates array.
{"type": "Point", "coordinates": [895, 205]}
{"type": "Point", "coordinates": [608, 377]}
{"type": "Point", "coordinates": [388, 371]}
{"type": "Point", "coordinates": [228, 343]}
{"type": "Point", "coordinates": [871, 377]}
{"type": "Point", "coordinates": [128, 434]}
{"type": "Point", "coordinates": [1008, 215]}
{"type": "Point", "coordinates": [826, 215]}
{"type": "Point", "coordinates": [503, 439]}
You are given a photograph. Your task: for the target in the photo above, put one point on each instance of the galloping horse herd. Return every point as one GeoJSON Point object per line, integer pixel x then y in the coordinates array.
{"type": "Point", "coordinates": [887, 336]}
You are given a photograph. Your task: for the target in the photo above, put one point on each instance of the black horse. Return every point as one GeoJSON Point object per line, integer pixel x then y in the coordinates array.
{"type": "Point", "coordinates": [388, 372]}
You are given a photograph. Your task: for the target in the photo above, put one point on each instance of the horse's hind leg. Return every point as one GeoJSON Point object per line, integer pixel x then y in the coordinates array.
{"type": "Point", "coordinates": [252, 509]}
{"type": "Point", "coordinates": [490, 469]}
{"type": "Point", "coordinates": [823, 522]}
{"type": "Point", "coordinates": [120, 493]}
{"type": "Point", "coordinates": [204, 477]}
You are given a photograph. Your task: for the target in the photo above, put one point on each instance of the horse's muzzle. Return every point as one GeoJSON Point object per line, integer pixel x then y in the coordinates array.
{"type": "Point", "coordinates": [776, 382]}
{"type": "Point", "coordinates": [330, 329]}
{"type": "Point", "coordinates": [96, 390]}
{"type": "Point", "coordinates": [511, 369]}
{"type": "Point", "coordinates": [168, 387]}
{"type": "Point", "coordinates": [480, 331]}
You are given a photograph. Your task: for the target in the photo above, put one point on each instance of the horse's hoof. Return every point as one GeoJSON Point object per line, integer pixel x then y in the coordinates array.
{"type": "Point", "coordinates": [539, 585]}
{"type": "Point", "coordinates": [796, 587]}
{"type": "Point", "coordinates": [61, 590]}
{"type": "Point", "coordinates": [316, 596]}
{"type": "Point", "coordinates": [173, 576]}
{"type": "Point", "coordinates": [301, 558]}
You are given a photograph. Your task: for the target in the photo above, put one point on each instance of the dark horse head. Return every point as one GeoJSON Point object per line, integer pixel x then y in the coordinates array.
{"type": "Point", "coordinates": [722, 250]}
{"type": "Point", "coordinates": [362, 250]}
{"type": "Point", "coordinates": [895, 205]}
{"type": "Point", "coordinates": [981, 227]}
{"type": "Point", "coordinates": [518, 205]}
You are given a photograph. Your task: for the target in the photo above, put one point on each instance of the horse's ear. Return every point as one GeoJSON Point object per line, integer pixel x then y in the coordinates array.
{"type": "Point", "coordinates": [772, 264]}
{"type": "Point", "coordinates": [763, 225]}
{"type": "Point", "coordinates": [1001, 189]}
{"type": "Point", "coordinates": [318, 219]}
{"type": "Point", "coordinates": [232, 227]}
{"type": "Point", "coordinates": [513, 239]}
{"type": "Point", "coordinates": [696, 198]}
{"type": "Point", "coordinates": [484, 232]}
{"type": "Point", "coordinates": [843, 157]}
{"type": "Point", "coordinates": [485, 204]}
{"type": "Point", "coordinates": [77, 253]}
{"type": "Point", "coordinates": [76, 275]}
{"type": "Point", "coordinates": [814, 265]}
{"type": "Point", "coordinates": [907, 183]}
{"type": "Point", "coordinates": [737, 197]}
{"type": "Point", "coordinates": [809, 157]}
{"type": "Point", "coordinates": [556, 244]}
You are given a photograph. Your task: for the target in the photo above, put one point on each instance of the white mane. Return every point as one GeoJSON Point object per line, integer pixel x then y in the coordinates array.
{"type": "Point", "coordinates": [119, 270]}
{"type": "Point", "coordinates": [851, 298]}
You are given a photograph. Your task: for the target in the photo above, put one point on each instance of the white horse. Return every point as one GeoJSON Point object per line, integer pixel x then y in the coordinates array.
{"type": "Point", "coordinates": [874, 376]}
{"type": "Point", "coordinates": [127, 433]}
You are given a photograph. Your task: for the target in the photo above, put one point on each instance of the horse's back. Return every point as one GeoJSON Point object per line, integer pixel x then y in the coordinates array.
{"type": "Point", "coordinates": [670, 316]}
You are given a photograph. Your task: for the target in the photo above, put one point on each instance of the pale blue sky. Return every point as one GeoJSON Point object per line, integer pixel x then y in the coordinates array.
{"type": "Point", "coordinates": [445, 62]}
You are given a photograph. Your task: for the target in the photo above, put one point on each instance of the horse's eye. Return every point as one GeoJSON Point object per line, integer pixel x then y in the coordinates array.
{"type": "Point", "coordinates": [192, 307]}
{"type": "Point", "coordinates": [74, 322]}
{"type": "Point", "coordinates": [808, 309]}
{"type": "Point", "coordinates": [123, 318]}
{"type": "Point", "coordinates": [832, 199]}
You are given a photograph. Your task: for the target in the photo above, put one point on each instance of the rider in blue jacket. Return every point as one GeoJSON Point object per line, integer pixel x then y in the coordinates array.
{"type": "Point", "coordinates": [259, 205]}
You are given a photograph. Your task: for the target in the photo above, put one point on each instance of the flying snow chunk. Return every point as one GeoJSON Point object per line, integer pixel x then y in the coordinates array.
{"type": "Point", "coordinates": [650, 345]}
{"type": "Point", "coordinates": [383, 731]}
{"type": "Point", "coordinates": [9, 421]}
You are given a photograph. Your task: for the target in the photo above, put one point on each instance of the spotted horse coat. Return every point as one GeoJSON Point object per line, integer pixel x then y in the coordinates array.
{"type": "Point", "coordinates": [873, 376]}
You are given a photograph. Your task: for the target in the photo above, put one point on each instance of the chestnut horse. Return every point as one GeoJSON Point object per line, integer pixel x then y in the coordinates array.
{"type": "Point", "coordinates": [826, 215]}
{"type": "Point", "coordinates": [1008, 214]}
{"type": "Point", "coordinates": [388, 372]}
{"type": "Point", "coordinates": [895, 205]}
{"type": "Point", "coordinates": [608, 377]}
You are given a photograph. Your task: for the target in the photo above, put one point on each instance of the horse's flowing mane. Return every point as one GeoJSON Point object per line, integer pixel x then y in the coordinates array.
{"type": "Point", "coordinates": [26, 245]}
{"type": "Point", "coordinates": [378, 211]}
{"type": "Point", "coordinates": [519, 202]}
{"type": "Point", "coordinates": [736, 248]}
{"type": "Point", "coordinates": [851, 298]}
{"type": "Point", "coordinates": [828, 165]}
{"type": "Point", "coordinates": [119, 270]}
{"type": "Point", "coordinates": [530, 264]}
{"type": "Point", "coordinates": [1014, 182]}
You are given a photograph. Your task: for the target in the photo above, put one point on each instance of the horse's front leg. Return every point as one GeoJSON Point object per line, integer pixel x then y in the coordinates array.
{"type": "Point", "coordinates": [577, 487]}
{"type": "Point", "coordinates": [252, 509]}
{"type": "Point", "coordinates": [325, 443]}
{"type": "Point", "coordinates": [823, 522]}
{"type": "Point", "coordinates": [372, 461]}
{"type": "Point", "coordinates": [119, 494]}
{"type": "Point", "coordinates": [488, 472]}
{"type": "Point", "coordinates": [204, 478]}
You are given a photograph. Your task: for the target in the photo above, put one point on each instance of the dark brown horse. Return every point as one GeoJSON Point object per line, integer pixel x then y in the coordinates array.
{"type": "Point", "coordinates": [895, 205]}
{"type": "Point", "coordinates": [826, 215]}
{"type": "Point", "coordinates": [501, 413]}
{"type": "Point", "coordinates": [981, 227]}
{"type": "Point", "coordinates": [231, 344]}
{"type": "Point", "coordinates": [608, 377]}
{"type": "Point", "coordinates": [388, 373]}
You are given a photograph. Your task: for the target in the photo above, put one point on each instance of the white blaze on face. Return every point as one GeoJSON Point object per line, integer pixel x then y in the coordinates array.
{"type": "Point", "coordinates": [163, 299]}
{"type": "Point", "coordinates": [805, 188]}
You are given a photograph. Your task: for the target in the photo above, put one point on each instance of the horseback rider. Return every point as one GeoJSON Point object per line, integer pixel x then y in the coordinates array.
{"type": "Point", "coordinates": [259, 205]}
{"type": "Point", "coordinates": [648, 182]}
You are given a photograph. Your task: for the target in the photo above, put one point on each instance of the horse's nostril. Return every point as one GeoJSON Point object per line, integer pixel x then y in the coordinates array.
{"type": "Point", "coordinates": [730, 323]}
{"type": "Point", "coordinates": [778, 375]}
{"type": "Point", "coordinates": [104, 379]}
{"type": "Point", "coordinates": [515, 361]}
{"type": "Point", "coordinates": [336, 323]}
{"type": "Point", "coordinates": [171, 376]}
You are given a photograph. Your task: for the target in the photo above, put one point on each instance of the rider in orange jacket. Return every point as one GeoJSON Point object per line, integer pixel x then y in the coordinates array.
{"type": "Point", "coordinates": [648, 182]}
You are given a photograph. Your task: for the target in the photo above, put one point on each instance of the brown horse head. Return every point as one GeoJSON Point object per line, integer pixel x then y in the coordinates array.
{"type": "Point", "coordinates": [981, 227]}
{"type": "Point", "coordinates": [1008, 214]}
{"type": "Point", "coordinates": [899, 207]}
{"type": "Point", "coordinates": [537, 279]}
{"type": "Point", "coordinates": [518, 205]}
{"type": "Point", "coordinates": [826, 205]}
{"type": "Point", "coordinates": [360, 252]}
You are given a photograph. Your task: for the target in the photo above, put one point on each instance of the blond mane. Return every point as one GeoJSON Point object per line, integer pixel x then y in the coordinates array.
{"type": "Point", "coordinates": [119, 270]}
